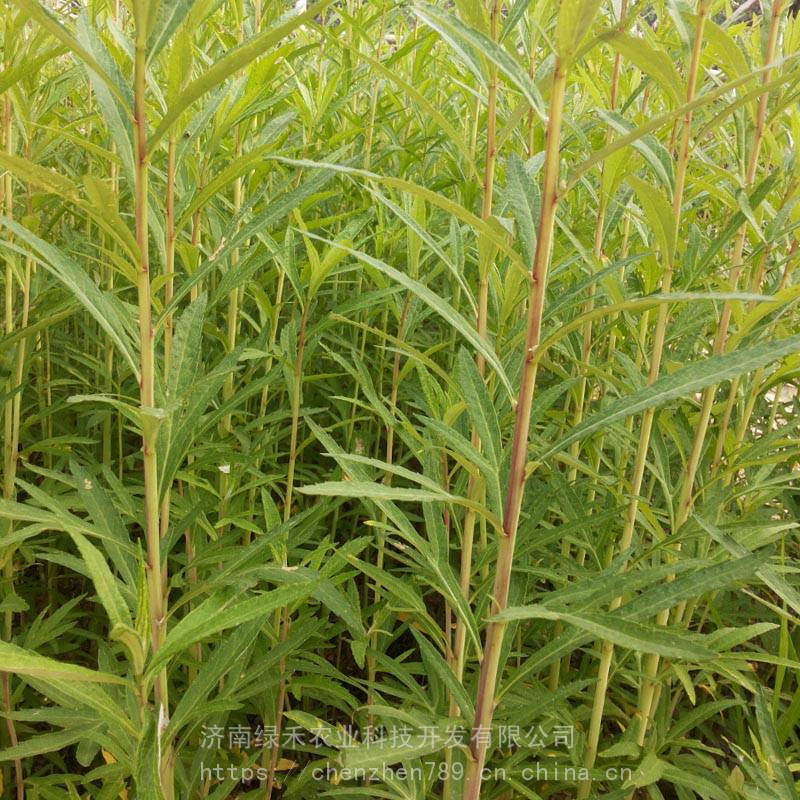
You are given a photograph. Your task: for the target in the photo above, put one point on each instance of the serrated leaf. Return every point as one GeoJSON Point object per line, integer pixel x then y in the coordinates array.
{"type": "Point", "coordinates": [681, 383]}
{"type": "Point", "coordinates": [104, 308]}
{"type": "Point", "coordinates": [668, 643]}
{"type": "Point", "coordinates": [523, 195]}
{"type": "Point", "coordinates": [218, 614]}
{"type": "Point", "coordinates": [25, 662]}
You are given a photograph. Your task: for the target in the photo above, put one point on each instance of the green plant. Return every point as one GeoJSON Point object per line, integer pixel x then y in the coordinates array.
{"type": "Point", "coordinates": [428, 370]}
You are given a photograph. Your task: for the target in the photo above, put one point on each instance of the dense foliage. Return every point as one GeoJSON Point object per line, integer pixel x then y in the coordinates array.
{"type": "Point", "coordinates": [400, 400]}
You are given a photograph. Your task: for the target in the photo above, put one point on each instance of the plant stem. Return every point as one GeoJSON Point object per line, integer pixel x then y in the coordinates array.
{"type": "Point", "coordinates": [296, 400]}
{"type": "Point", "coordinates": [11, 420]}
{"type": "Point", "coordinates": [648, 695]}
{"type": "Point", "coordinates": [485, 699]}
{"type": "Point", "coordinates": [169, 270]}
{"type": "Point", "coordinates": [755, 287]}
{"type": "Point", "coordinates": [374, 96]}
{"type": "Point", "coordinates": [607, 648]}
{"type": "Point", "coordinates": [156, 577]}
{"type": "Point", "coordinates": [475, 486]}
{"type": "Point", "coordinates": [560, 666]}
{"type": "Point", "coordinates": [232, 321]}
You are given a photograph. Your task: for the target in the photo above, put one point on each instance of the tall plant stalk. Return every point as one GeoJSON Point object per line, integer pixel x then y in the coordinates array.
{"type": "Point", "coordinates": [475, 489]}
{"type": "Point", "coordinates": [383, 602]}
{"type": "Point", "coordinates": [607, 648]}
{"type": "Point", "coordinates": [559, 667]}
{"type": "Point", "coordinates": [515, 489]}
{"type": "Point", "coordinates": [685, 502]}
{"type": "Point", "coordinates": [169, 288]}
{"type": "Point", "coordinates": [233, 311]}
{"type": "Point", "coordinates": [156, 569]}
{"type": "Point", "coordinates": [283, 618]}
{"type": "Point", "coordinates": [761, 119]}
{"type": "Point", "coordinates": [11, 427]}
{"type": "Point", "coordinates": [475, 486]}
{"type": "Point", "coordinates": [380, 556]}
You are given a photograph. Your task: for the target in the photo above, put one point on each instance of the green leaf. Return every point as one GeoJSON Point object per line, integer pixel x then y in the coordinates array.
{"type": "Point", "coordinates": [116, 113]}
{"type": "Point", "coordinates": [49, 22]}
{"type": "Point", "coordinates": [425, 237]}
{"type": "Point", "coordinates": [275, 210]}
{"type": "Point", "coordinates": [426, 107]}
{"type": "Point", "coordinates": [382, 492]}
{"type": "Point", "coordinates": [523, 195]}
{"type": "Point", "coordinates": [479, 406]}
{"type": "Point", "coordinates": [473, 13]}
{"type": "Point", "coordinates": [102, 208]}
{"type": "Point", "coordinates": [645, 606]}
{"type": "Point", "coordinates": [656, 155]}
{"type": "Point", "coordinates": [658, 212]}
{"type": "Point", "coordinates": [109, 314]}
{"type": "Point", "coordinates": [575, 18]}
{"type": "Point", "coordinates": [766, 573]}
{"type": "Point", "coordinates": [659, 121]}
{"type": "Point", "coordinates": [744, 205]}
{"type": "Point", "coordinates": [323, 590]}
{"type": "Point", "coordinates": [695, 717]}
{"type": "Point", "coordinates": [168, 17]}
{"type": "Point", "coordinates": [218, 614]}
{"type": "Point", "coordinates": [107, 520]}
{"type": "Point", "coordinates": [724, 639]}
{"type": "Point", "coordinates": [776, 758]}
{"type": "Point", "coordinates": [44, 743]}
{"type": "Point", "coordinates": [41, 177]}
{"type": "Point", "coordinates": [484, 420]}
{"type": "Point", "coordinates": [382, 752]}
{"type": "Point", "coordinates": [459, 444]}
{"type": "Point", "coordinates": [440, 306]}
{"type": "Point", "coordinates": [515, 14]}
{"type": "Point", "coordinates": [30, 66]}
{"type": "Point", "coordinates": [232, 650]}
{"type": "Point", "coordinates": [25, 662]}
{"type": "Point", "coordinates": [105, 583]}
{"type": "Point", "coordinates": [393, 469]}
{"type": "Point", "coordinates": [667, 642]}
{"type": "Point", "coordinates": [187, 349]}
{"type": "Point", "coordinates": [650, 59]}
{"type": "Point", "coordinates": [483, 227]}
{"type": "Point", "coordinates": [231, 62]}
{"type": "Point", "coordinates": [467, 41]}
{"type": "Point", "coordinates": [693, 584]}
{"type": "Point", "coordinates": [650, 770]}
{"type": "Point", "coordinates": [443, 670]}
{"type": "Point", "coordinates": [725, 50]}
{"type": "Point", "coordinates": [406, 593]}
{"type": "Point", "coordinates": [372, 491]}
{"type": "Point", "coordinates": [146, 769]}
{"type": "Point", "coordinates": [682, 383]}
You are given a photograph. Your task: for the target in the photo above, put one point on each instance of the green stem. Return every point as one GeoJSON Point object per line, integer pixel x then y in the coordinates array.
{"type": "Point", "coordinates": [283, 617]}
{"type": "Point", "coordinates": [558, 667]}
{"type": "Point", "coordinates": [607, 648]}
{"type": "Point", "coordinates": [475, 485]}
{"type": "Point", "coordinates": [11, 421]}
{"type": "Point", "coordinates": [156, 576]}
{"type": "Point", "coordinates": [490, 664]}
{"type": "Point", "coordinates": [648, 698]}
